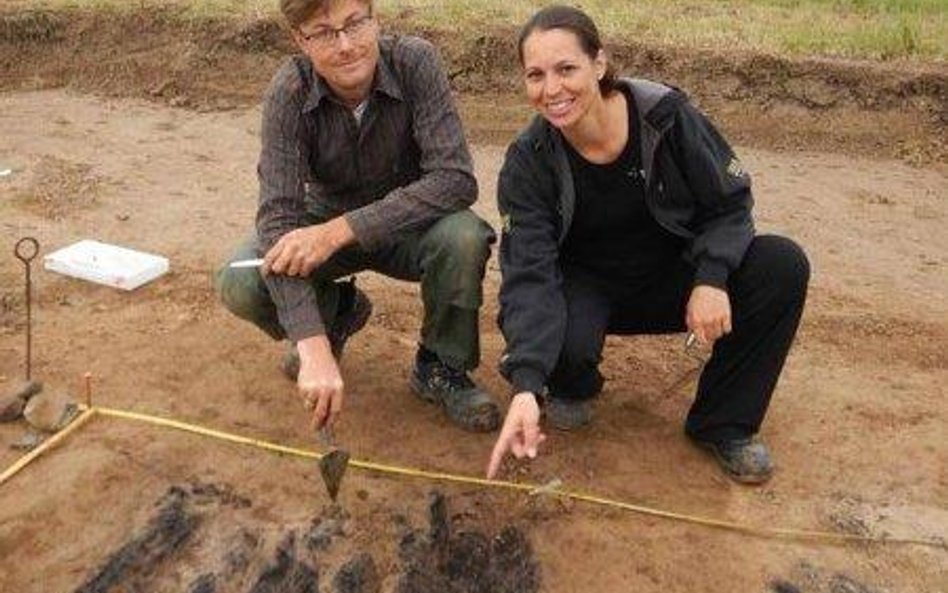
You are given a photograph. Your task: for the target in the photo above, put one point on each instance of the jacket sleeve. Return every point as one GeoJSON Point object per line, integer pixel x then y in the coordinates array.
{"type": "Point", "coordinates": [532, 306]}
{"type": "Point", "coordinates": [723, 224]}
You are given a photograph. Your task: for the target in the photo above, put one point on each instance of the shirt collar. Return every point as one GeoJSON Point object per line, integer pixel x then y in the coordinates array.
{"type": "Point", "coordinates": [384, 80]}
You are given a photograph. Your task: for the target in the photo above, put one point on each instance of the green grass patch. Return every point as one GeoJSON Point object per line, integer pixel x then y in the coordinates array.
{"type": "Point", "coordinates": [872, 29]}
{"type": "Point", "coordinates": [916, 30]}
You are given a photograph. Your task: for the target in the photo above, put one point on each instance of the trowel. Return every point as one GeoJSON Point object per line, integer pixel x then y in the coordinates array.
{"type": "Point", "coordinates": [333, 463]}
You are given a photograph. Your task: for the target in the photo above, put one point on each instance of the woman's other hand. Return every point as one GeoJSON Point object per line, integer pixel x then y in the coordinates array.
{"type": "Point", "coordinates": [708, 314]}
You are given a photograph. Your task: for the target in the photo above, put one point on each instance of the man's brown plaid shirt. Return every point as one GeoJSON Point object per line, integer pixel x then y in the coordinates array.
{"type": "Point", "coordinates": [405, 166]}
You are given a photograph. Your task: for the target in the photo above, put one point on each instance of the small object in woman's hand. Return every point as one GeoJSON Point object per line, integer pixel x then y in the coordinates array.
{"type": "Point", "coordinates": [690, 340]}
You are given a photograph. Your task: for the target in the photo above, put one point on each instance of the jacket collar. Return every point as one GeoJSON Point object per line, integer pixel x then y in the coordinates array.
{"type": "Point", "coordinates": [656, 104]}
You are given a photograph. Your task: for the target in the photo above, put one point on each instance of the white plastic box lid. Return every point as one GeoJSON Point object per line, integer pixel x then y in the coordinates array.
{"type": "Point", "coordinates": [107, 264]}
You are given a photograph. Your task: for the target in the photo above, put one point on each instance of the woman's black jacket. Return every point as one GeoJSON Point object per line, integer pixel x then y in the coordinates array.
{"type": "Point", "coordinates": [695, 187]}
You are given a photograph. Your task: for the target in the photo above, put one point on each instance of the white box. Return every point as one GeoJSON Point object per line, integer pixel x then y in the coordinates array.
{"type": "Point", "coordinates": [106, 264]}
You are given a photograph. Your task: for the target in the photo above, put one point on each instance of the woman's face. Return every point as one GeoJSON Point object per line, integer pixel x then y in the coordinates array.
{"type": "Point", "coordinates": [562, 80]}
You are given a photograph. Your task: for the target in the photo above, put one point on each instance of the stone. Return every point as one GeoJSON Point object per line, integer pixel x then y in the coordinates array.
{"type": "Point", "coordinates": [49, 411]}
{"type": "Point", "coordinates": [11, 408]}
{"type": "Point", "coordinates": [13, 402]}
{"type": "Point", "coordinates": [29, 441]}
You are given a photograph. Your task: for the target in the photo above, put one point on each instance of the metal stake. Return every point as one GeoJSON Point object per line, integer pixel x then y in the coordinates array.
{"type": "Point", "coordinates": [25, 250]}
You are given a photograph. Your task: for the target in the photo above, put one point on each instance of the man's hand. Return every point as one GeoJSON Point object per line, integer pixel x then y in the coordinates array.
{"type": "Point", "coordinates": [520, 434]}
{"type": "Point", "coordinates": [300, 251]}
{"type": "Point", "coordinates": [708, 314]}
{"type": "Point", "coordinates": [319, 382]}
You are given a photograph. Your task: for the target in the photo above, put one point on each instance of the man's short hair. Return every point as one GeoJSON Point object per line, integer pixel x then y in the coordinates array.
{"type": "Point", "coordinates": [297, 12]}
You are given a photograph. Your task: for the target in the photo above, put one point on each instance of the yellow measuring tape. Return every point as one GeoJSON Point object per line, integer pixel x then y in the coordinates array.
{"type": "Point", "coordinates": [88, 413]}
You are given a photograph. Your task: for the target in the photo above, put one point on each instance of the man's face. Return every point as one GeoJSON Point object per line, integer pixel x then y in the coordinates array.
{"type": "Point", "coordinates": [342, 43]}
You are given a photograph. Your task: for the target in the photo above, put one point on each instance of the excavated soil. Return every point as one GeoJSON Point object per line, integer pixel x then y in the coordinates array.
{"type": "Point", "coordinates": [892, 109]}
{"type": "Point", "coordinates": [141, 129]}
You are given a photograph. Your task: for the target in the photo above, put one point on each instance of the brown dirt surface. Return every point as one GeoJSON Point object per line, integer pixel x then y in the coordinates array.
{"type": "Point", "coordinates": [143, 132]}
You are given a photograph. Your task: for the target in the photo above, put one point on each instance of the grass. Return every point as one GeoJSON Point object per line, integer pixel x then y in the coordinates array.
{"type": "Point", "coordinates": [915, 30]}
{"type": "Point", "coordinates": [873, 29]}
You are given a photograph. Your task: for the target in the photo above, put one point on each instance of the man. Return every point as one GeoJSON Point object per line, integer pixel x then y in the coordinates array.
{"type": "Point", "coordinates": [364, 166]}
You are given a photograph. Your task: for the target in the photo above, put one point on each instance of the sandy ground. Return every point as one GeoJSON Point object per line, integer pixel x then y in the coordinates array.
{"type": "Point", "coordinates": [858, 423]}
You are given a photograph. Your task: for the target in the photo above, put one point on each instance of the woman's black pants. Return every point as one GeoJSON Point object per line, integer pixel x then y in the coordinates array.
{"type": "Point", "coordinates": [767, 293]}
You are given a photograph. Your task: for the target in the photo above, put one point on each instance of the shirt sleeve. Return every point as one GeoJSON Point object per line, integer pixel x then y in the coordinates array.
{"type": "Point", "coordinates": [282, 172]}
{"type": "Point", "coordinates": [447, 182]}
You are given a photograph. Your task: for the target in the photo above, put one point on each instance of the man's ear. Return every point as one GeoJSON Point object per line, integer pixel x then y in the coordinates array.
{"type": "Point", "coordinates": [297, 39]}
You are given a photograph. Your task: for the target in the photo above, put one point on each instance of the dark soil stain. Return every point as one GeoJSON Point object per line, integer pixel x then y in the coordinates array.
{"type": "Point", "coordinates": [133, 564]}
{"type": "Point", "coordinates": [186, 533]}
{"type": "Point", "coordinates": [468, 561]}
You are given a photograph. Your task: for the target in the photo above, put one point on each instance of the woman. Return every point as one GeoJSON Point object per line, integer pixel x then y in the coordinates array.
{"type": "Point", "coordinates": [625, 212]}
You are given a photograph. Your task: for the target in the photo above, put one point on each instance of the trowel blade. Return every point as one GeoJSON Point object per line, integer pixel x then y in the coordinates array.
{"type": "Point", "coordinates": [332, 467]}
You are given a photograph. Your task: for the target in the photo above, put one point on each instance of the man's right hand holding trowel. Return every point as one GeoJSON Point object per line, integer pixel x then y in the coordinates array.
{"type": "Point", "coordinates": [321, 388]}
{"type": "Point", "coordinates": [319, 382]}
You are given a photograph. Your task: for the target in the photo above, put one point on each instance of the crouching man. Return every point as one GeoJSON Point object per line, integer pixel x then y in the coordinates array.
{"type": "Point", "coordinates": [364, 166]}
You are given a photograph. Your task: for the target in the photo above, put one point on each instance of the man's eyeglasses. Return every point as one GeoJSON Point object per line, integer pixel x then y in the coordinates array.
{"type": "Point", "coordinates": [327, 36]}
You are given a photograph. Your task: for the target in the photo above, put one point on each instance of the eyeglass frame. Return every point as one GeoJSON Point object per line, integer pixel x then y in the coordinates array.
{"type": "Point", "coordinates": [327, 36]}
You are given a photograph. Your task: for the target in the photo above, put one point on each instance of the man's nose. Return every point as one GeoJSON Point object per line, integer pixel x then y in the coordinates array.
{"type": "Point", "coordinates": [343, 42]}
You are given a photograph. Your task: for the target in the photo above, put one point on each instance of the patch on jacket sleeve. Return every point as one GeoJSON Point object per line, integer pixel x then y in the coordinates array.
{"type": "Point", "coordinates": [736, 169]}
{"type": "Point", "coordinates": [506, 223]}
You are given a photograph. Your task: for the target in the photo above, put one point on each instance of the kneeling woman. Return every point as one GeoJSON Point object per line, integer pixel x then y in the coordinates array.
{"type": "Point", "coordinates": [625, 212]}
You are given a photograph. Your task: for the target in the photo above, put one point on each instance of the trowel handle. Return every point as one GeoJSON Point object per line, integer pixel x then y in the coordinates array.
{"type": "Point", "coordinates": [327, 436]}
